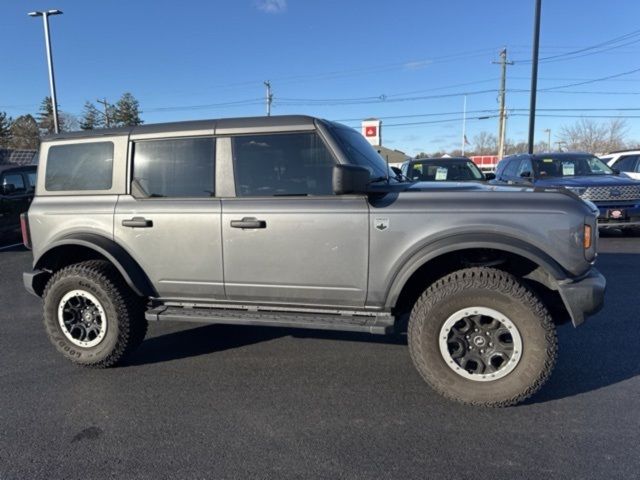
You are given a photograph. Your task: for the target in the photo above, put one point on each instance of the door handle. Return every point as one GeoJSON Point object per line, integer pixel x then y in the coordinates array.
{"type": "Point", "coordinates": [137, 222]}
{"type": "Point", "coordinates": [248, 222]}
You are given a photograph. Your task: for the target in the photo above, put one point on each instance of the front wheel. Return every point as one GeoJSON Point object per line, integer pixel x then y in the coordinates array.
{"type": "Point", "coordinates": [479, 336]}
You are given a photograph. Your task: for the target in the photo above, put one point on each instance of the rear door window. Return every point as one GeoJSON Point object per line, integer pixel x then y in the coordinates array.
{"type": "Point", "coordinates": [179, 167]}
{"type": "Point", "coordinates": [80, 166]}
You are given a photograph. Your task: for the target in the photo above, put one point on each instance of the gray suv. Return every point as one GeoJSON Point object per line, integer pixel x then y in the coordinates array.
{"type": "Point", "coordinates": [294, 221]}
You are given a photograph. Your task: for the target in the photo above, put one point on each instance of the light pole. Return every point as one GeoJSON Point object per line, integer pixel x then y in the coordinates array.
{"type": "Point", "coordinates": [52, 81]}
{"type": "Point", "coordinates": [548, 132]}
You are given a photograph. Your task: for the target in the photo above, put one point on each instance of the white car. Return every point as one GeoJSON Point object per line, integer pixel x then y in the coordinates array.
{"type": "Point", "coordinates": [626, 161]}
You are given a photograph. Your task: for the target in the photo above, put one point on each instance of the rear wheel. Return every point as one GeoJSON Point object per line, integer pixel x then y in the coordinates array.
{"type": "Point", "coordinates": [479, 336]}
{"type": "Point", "coordinates": [91, 316]}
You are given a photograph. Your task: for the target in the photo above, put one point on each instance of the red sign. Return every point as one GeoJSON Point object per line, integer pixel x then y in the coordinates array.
{"type": "Point", "coordinates": [371, 131]}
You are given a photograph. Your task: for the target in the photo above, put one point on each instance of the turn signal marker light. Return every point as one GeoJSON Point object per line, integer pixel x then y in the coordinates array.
{"type": "Point", "coordinates": [587, 237]}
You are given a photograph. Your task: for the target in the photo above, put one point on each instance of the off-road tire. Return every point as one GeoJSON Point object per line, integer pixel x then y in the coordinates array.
{"type": "Point", "coordinates": [490, 288]}
{"type": "Point", "coordinates": [126, 325]}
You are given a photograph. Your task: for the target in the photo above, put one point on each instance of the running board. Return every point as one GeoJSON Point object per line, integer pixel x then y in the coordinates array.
{"type": "Point", "coordinates": [378, 323]}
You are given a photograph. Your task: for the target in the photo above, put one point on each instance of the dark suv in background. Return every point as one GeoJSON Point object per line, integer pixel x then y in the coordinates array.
{"type": "Point", "coordinates": [451, 169]}
{"type": "Point", "coordinates": [616, 195]}
{"type": "Point", "coordinates": [17, 186]}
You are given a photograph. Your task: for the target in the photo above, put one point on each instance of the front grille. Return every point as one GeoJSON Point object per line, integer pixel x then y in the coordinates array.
{"type": "Point", "coordinates": [624, 192]}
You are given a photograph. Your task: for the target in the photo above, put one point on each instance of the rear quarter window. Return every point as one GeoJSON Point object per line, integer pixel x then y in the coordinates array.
{"type": "Point", "coordinates": [80, 166]}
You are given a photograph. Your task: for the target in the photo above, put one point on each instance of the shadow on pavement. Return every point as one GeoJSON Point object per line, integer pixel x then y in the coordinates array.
{"type": "Point", "coordinates": [604, 350]}
{"type": "Point", "coordinates": [601, 352]}
{"type": "Point", "coordinates": [208, 339]}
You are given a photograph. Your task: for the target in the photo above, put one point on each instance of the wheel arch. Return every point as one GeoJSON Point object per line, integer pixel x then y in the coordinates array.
{"type": "Point", "coordinates": [439, 258]}
{"type": "Point", "coordinates": [84, 246]}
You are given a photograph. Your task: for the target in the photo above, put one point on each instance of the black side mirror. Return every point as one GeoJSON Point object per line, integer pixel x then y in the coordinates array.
{"type": "Point", "coordinates": [489, 176]}
{"type": "Point", "coordinates": [526, 175]}
{"type": "Point", "coordinates": [396, 170]}
{"type": "Point", "coordinates": [616, 171]}
{"type": "Point", "coordinates": [350, 179]}
{"type": "Point", "coordinates": [8, 188]}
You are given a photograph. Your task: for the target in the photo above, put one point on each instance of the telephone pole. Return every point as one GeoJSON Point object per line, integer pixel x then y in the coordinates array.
{"type": "Point", "coordinates": [269, 97]}
{"type": "Point", "coordinates": [106, 104]}
{"type": "Point", "coordinates": [501, 96]}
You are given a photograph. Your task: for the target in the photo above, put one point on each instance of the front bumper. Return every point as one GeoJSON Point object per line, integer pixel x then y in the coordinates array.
{"type": "Point", "coordinates": [583, 296]}
{"type": "Point", "coordinates": [630, 216]}
{"type": "Point", "coordinates": [35, 281]}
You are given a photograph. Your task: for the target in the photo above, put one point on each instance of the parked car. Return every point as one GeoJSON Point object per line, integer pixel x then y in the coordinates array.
{"type": "Point", "coordinates": [295, 221]}
{"type": "Point", "coordinates": [625, 161]}
{"type": "Point", "coordinates": [450, 169]}
{"type": "Point", "coordinates": [17, 185]}
{"type": "Point", "coordinates": [616, 195]}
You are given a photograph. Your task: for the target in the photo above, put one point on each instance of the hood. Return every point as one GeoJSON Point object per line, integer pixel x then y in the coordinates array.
{"type": "Point", "coordinates": [464, 187]}
{"type": "Point", "coordinates": [587, 181]}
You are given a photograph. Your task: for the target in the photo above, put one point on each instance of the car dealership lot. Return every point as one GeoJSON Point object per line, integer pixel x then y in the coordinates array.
{"type": "Point", "coordinates": [237, 402]}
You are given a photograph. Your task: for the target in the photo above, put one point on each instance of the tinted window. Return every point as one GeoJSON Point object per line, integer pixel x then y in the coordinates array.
{"type": "Point", "coordinates": [14, 179]}
{"type": "Point", "coordinates": [174, 168]}
{"type": "Point", "coordinates": [284, 164]}
{"type": "Point", "coordinates": [32, 177]}
{"type": "Point", "coordinates": [626, 164]}
{"type": "Point", "coordinates": [82, 166]}
{"type": "Point", "coordinates": [360, 152]}
{"type": "Point", "coordinates": [570, 166]}
{"type": "Point", "coordinates": [445, 170]}
{"type": "Point", "coordinates": [511, 168]}
{"type": "Point", "coordinates": [524, 167]}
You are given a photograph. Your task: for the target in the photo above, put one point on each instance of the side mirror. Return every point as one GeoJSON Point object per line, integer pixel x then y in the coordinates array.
{"type": "Point", "coordinates": [396, 170]}
{"type": "Point", "coordinates": [350, 179]}
{"type": "Point", "coordinates": [489, 176]}
{"type": "Point", "coordinates": [616, 171]}
{"type": "Point", "coordinates": [526, 175]}
{"type": "Point", "coordinates": [8, 188]}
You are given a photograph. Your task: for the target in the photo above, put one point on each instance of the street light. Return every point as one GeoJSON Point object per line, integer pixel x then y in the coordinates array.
{"type": "Point", "coordinates": [52, 81]}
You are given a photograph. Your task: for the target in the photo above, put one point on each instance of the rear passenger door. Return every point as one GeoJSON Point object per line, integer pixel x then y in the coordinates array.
{"type": "Point", "coordinates": [287, 238]}
{"type": "Point", "coordinates": [629, 164]}
{"type": "Point", "coordinates": [170, 220]}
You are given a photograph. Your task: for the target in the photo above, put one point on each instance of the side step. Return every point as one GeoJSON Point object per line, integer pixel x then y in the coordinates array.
{"type": "Point", "coordinates": [378, 323]}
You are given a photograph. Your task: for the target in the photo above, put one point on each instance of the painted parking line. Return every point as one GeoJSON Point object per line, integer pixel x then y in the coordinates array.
{"type": "Point", "coordinates": [10, 246]}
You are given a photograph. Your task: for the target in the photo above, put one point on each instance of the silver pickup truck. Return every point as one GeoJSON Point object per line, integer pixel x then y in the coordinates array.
{"type": "Point", "coordinates": [293, 221]}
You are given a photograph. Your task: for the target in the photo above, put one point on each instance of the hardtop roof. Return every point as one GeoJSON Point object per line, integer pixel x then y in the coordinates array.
{"type": "Point", "coordinates": [276, 121]}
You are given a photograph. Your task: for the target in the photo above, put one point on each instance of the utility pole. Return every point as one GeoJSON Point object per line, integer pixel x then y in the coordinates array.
{"type": "Point", "coordinates": [548, 132]}
{"type": "Point", "coordinates": [52, 80]}
{"type": "Point", "coordinates": [269, 97]}
{"type": "Point", "coordinates": [464, 124]}
{"type": "Point", "coordinates": [534, 73]}
{"type": "Point", "coordinates": [106, 104]}
{"type": "Point", "coordinates": [502, 117]}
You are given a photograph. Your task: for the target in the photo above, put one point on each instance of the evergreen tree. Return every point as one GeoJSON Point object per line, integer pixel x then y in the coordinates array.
{"type": "Point", "coordinates": [91, 117]}
{"type": "Point", "coordinates": [25, 133]}
{"type": "Point", "coordinates": [45, 118]}
{"type": "Point", "coordinates": [127, 111]}
{"type": "Point", "coordinates": [5, 130]}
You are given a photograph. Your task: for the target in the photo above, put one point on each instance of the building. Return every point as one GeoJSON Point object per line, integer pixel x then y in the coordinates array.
{"type": "Point", "coordinates": [372, 130]}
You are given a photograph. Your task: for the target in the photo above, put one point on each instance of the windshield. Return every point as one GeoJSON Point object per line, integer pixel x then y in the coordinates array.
{"type": "Point", "coordinates": [360, 152]}
{"type": "Point", "coordinates": [573, 166]}
{"type": "Point", "coordinates": [445, 170]}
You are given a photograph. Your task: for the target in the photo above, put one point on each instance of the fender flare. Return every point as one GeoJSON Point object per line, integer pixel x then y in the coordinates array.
{"type": "Point", "coordinates": [132, 273]}
{"type": "Point", "coordinates": [432, 250]}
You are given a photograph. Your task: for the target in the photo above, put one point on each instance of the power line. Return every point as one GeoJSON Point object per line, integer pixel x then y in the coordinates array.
{"type": "Point", "coordinates": [606, 43]}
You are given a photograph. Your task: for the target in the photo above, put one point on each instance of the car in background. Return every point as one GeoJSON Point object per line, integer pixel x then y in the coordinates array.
{"type": "Point", "coordinates": [616, 195]}
{"type": "Point", "coordinates": [17, 186]}
{"type": "Point", "coordinates": [625, 161]}
{"type": "Point", "coordinates": [443, 169]}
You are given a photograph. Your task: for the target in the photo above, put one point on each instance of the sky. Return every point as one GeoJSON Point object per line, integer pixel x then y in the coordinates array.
{"type": "Point", "coordinates": [407, 62]}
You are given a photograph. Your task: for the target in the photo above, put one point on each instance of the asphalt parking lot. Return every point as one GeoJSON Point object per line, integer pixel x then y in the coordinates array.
{"type": "Point", "coordinates": [244, 402]}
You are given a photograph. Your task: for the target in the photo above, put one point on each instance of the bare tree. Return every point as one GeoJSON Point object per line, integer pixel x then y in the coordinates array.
{"type": "Point", "coordinates": [485, 143]}
{"type": "Point", "coordinates": [591, 136]}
